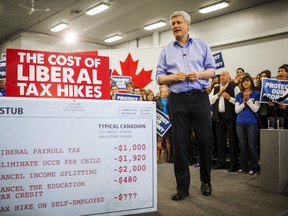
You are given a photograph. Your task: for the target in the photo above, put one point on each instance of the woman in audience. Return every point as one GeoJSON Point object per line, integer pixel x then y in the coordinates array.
{"type": "Point", "coordinates": [247, 104]}
{"type": "Point", "coordinates": [264, 112]}
{"type": "Point", "coordinates": [149, 95]}
{"type": "Point", "coordinates": [162, 105]}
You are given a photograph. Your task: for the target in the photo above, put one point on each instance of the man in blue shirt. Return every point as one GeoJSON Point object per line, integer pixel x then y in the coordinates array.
{"type": "Point", "coordinates": [185, 65]}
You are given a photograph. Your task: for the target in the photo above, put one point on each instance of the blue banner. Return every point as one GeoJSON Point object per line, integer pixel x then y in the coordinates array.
{"type": "Point", "coordinates": [162, 123]}
{"type": "Point", "coordinates": [127, 97]}
{"type": "Point", "coordinates": [274, 90]}
{"type": "Point", "coordinates": [219, 62]}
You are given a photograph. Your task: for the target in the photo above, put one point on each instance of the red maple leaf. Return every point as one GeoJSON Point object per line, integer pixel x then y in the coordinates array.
{"type": "Point", "coordinates": [129, 68]}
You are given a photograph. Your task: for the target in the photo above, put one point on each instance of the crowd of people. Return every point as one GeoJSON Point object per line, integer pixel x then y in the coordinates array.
{"type": "Point", "coordinates": [218, 115]}
{"type": "Point", "coordinates": [241, 117]}
{"type": "Point", "coordinates": [237, 117]}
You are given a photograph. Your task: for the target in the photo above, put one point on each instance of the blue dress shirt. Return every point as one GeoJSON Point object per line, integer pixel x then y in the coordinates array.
{"type": "Point", "coordinates": [195, 56]}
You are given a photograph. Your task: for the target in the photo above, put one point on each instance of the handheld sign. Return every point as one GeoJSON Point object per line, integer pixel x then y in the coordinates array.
{"type": "Point", "coordinates": [274, 90]}
{"type": "Point", "coordinates": [127, 97]}
{"type": "Point", "coordinates": [163, 123]}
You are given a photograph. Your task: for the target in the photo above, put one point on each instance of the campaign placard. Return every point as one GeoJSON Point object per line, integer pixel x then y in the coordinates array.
{"type": "Point", "coordinates": [121, 81]}
{"type": "Point", "coordinates": [163, 123]}
{"type": "Point", "coordinates": [219, 62]}
{"type": "Point", "coordinates": [77, 157]}
{"type": "Point", "coordinates": [3, 56]}
{"type": "Point", "coordinates": [2, 69]}
{"type": "Point", "coordinates": [127, 97]}
{"type": "Point", "coordinates": [33, 73]}
{"type": "Point", "coordinates": [274, 91]}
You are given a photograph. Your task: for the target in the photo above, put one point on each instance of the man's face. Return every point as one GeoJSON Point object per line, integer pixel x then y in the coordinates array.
{"type": "Point", "coordinates": [2, 84]}
{"type": "Point", "coordinates": [137, 91]}
{"type": "Point", "coordinates": [281, 70]}
{"type": "Point", "coordinates": [282, 75]}
{"type": "Point", "coordinates": [179, 27]}
{"type": "Point", "coordinates": [224, 77]}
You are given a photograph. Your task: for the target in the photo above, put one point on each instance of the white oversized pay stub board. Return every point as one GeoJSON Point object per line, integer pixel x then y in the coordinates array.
{"type": "Point", "coordinates": [77, 157]}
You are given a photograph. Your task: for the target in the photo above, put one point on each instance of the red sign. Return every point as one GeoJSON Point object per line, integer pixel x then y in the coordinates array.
{"type": "Point", "coordinates": [31, 73]}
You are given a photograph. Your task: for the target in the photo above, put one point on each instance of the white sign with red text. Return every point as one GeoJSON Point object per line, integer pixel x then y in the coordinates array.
{"type": "Point", "coordinates": [77, 157]}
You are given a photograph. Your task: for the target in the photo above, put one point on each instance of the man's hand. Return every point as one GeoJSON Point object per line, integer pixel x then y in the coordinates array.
{"type": "Point", "coordinates": [193, 76]}
{"type": "Point", "coordinates": [226, 96]}
{"type": "Point", "coordinates": [222, 89]}
{"type": "Point", "coordinates": [180, 76]}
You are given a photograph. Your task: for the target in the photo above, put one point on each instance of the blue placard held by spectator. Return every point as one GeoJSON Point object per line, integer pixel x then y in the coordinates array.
{"type": "Point", "coordinates": [121, 81]}
{"type": "Point", "coordinates": [127, 97]}
{"type": "Point", "coordinates": [162, 123]}
{"type": "Point", "coordinates": [274, 90]}
{"type": "Point", "coordinates": [219, 62]}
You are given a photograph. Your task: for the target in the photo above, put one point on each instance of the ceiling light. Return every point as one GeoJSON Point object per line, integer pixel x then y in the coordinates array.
{"type": "Point", "coordinates": [155, 25]}
{"type": "Point", "coordinates": [213, 7]}
{"type": "Point", "coordinates": [59, 27]}
{"type": "Point", "coordinates": [98, 9]}
{"type": "Point", "coordinates": [70, 38]}
{"type": "Point", "coordinates": [113, 38]}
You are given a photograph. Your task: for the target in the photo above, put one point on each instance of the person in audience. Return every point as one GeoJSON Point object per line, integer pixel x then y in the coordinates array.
{"type": "Point", "coordinates": [263, 111]}
{"type": "Point", "coordinates": [283, 70]}
{"type": "Point", "coordinates": [223, 114]}
{"type": "Point", "coordinates": [282, 76]}
{"type": "Point", "coordinates": [158, 94]}
{"type": "Point", "coordinates": [257, 82]}
{"type": "Point", "coordinates": [215, 81]}
{"type": "Point", "coordinates": [247, 104]}
{"type": "Point", "coordinates": [279, 108]}
{"type": "Point", "coordinates": [113, 89]}
{"type": "Point", "coordinates": [2, 87]}
{"type": "Point", "coordinates": [239, 72]}
{"type": "Point", "coordinates": [162, 105]}
{"type": "Point", "coordinates": [150, 95]}
{"type": "Point", "coordinates": [130, 87]}
{"type": "Point", "coordinates": [137, 91]}
{"type": "Point", "coordinates": [143, 93]}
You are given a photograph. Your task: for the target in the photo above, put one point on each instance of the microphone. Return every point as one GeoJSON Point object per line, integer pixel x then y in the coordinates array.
{"type": "Point", "coordinates": [184, 54]}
